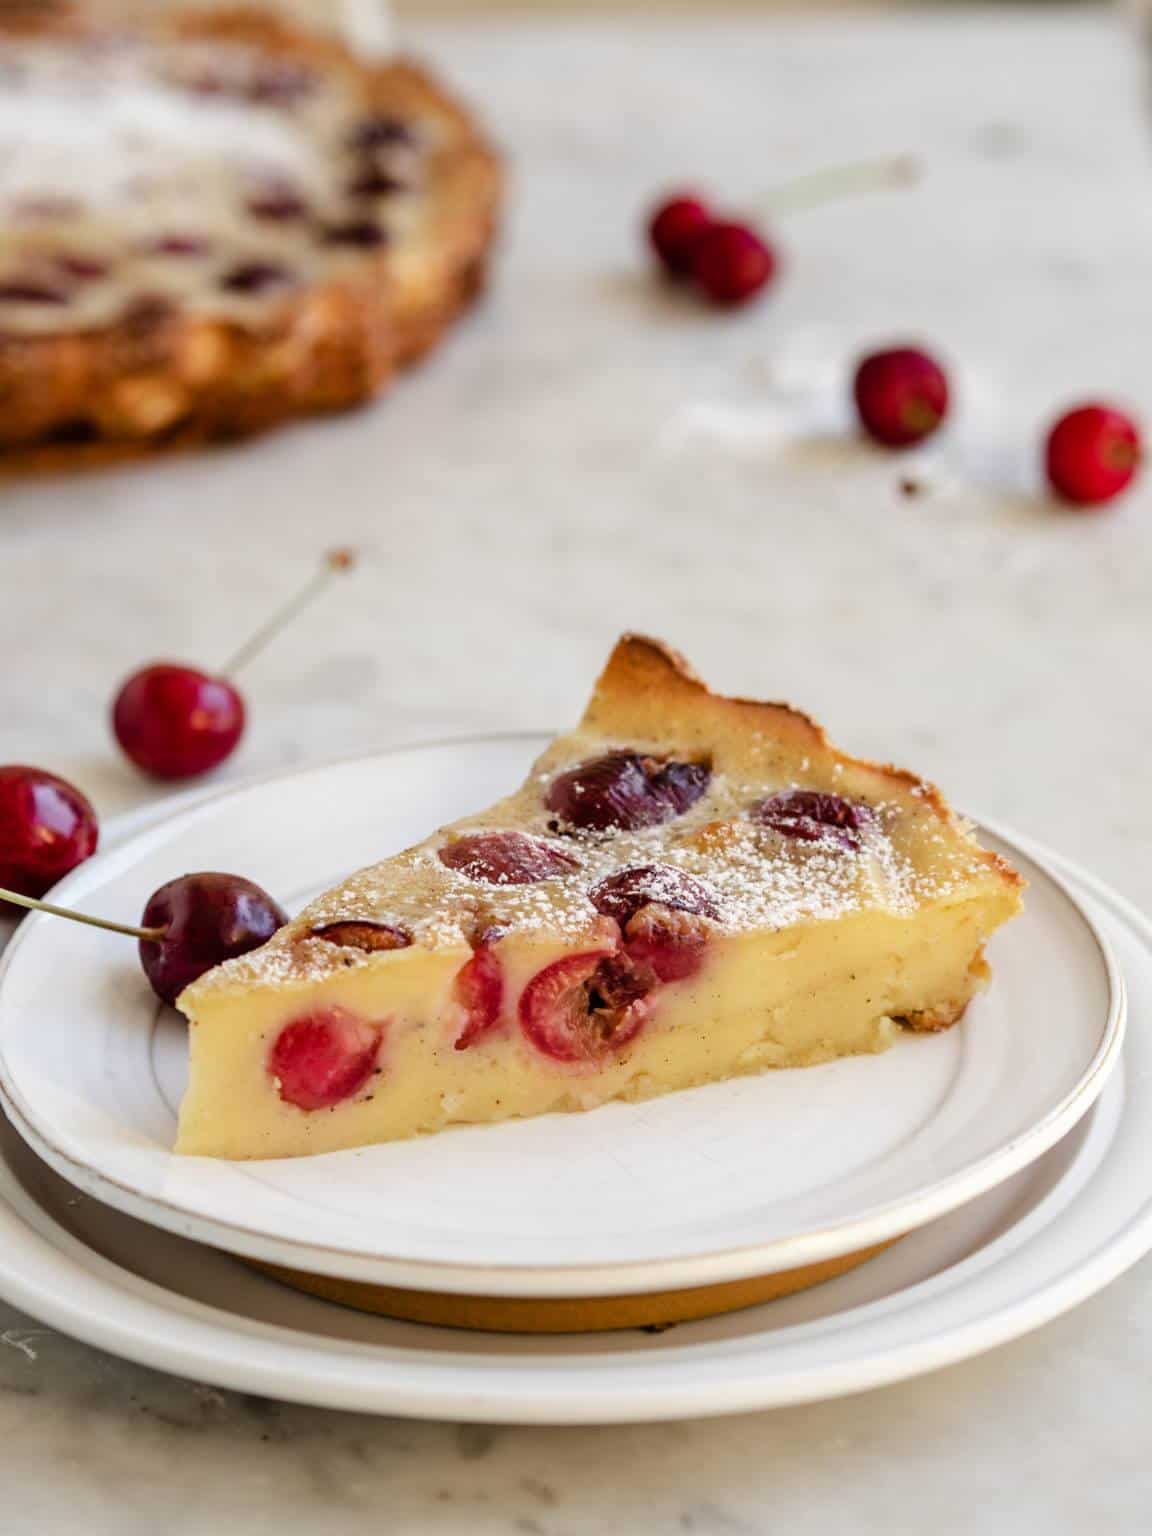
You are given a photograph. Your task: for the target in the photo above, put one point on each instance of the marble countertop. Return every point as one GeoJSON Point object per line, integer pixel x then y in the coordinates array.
{"type": "Point", "coordinates": [588, 455]}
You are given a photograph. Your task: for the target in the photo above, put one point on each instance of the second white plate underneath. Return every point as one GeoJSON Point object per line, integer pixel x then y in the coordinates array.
{"type": "Point", "coordinates": [704, 1186]}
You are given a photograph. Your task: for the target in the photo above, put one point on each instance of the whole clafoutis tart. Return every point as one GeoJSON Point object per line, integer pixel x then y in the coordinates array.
{"type": "Point", "coordinates": [215, 221]}
{"type": "Point", "coordinates": [685, 889]}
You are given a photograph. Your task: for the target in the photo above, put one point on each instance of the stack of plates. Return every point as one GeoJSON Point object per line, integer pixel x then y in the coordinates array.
{"type": "Point", "coordinates": [1012, 1157]}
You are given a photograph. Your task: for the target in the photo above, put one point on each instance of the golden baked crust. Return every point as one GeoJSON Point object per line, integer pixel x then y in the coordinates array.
{"type": "Point", "coordinates": [646, 686]}
{"type": "Point", "coordinates": [157, 376]}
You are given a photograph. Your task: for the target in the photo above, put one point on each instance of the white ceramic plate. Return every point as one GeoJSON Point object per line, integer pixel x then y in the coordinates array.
{"type": "Point", "coordinates": [1044, 1240]}
{"type": "Point", "coordinates": [714, 1184]}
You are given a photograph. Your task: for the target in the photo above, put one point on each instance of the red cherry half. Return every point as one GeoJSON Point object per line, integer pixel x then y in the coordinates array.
{"type": "Point", "coordinates": [324, 1057]}
{"type": "Point", "coordinates": [506, 858]}
{"type": "Point", "coordinates": [204, 920]}
{"type": "Point", "coordinates": [1092, 454]}
{"type": "Point", "coordinates": [175, 722]}
{"type": "Point", "coordinates": [901, 396]}
{"type": "Point", "coordinates": [479, 990]}
{"type": "Point", "coordinates": [47, 827]}
{"type": "Point", "coordinates": [584, 1008]}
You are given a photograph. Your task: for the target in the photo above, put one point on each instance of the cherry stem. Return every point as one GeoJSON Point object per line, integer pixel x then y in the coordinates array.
{"type": "Point", "coordinates": [336, 562]}
{"type": "Point", "coordinates": [842, 180]}
{"type": "Point", "coordinates": [148, 935]}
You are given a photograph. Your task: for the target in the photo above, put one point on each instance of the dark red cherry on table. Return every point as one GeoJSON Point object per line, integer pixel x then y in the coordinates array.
{"type": "Point", "coordinates": [47, 828]}
{"type": "Point", "coordinates": [202, 920]}
{"type": "Point", "coordinates": [901, 396]}
{"type": "Point", "coordinates": [730, 263]}
{"type": "Point", "coordinates": [323, 1058]}
{"type": "Point", "coordinates": [176, 722]}
{"type": "Point", "coordinates": [1092, 454]}
{"type": "Point", "coordinates": [673, 229]}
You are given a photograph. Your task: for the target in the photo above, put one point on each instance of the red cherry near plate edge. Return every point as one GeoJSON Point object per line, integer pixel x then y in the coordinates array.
{"type": "Point", "coordinates": [47, 828]}
{"type": "Point", "coordinates": [190, 925]}
{"type": "Point", "coordinates": [177, 722]}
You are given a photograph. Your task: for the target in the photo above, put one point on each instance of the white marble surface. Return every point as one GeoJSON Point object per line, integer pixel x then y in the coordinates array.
{"type": "Point", "coordinates": [588, 455]}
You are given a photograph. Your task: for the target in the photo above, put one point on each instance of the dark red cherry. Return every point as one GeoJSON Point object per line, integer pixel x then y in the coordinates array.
{"type": "Point", "coordinates": [176, 722]}
{"type": "Point", "coordinates": [30, 291]}
{"type": "Point", "coordinates": [811, 815]}
{"type": "Point", "coordinates": [623, 894]}
{"type": "Point", "coordinates": [373, 181]}
{"type": "Point", "coordinates": [257, 277]}
{"type": "Point", "coordinates": [277, 205]}
{"type": "Point", "coordinates": [659, 909]}
{"type": "Point", "coordinates": [324, 1057]}
{"type": "Point", "coordinates": [179, 245]}
{"type": "Point", "coordinates": [206, 919]}
{"type": "Point", "coordinates": [584, 1008]}
{"type": "Point", "coordinates": [365, 234]}
{"type": "Point", "coordinates": [81, 266]}
{"type": "Point", "coordinates": [506, 858]}
{"type": "Point", "coordinates": [901, 396]}
{"type": "Point", "coordinates": [371, 938]}
{"type": "Point", "coordinates": [626, 790]}
{"type": "Point", "coordinates": [380, 132]}
{"type": "Point", "coordinates": [47, 827]}
{"type": "Point", "coordinates": [479, 990]}
{"type": "Point", "coordinates": [731, 263]}
{"type": "Point", "coordinates": [673, 229]}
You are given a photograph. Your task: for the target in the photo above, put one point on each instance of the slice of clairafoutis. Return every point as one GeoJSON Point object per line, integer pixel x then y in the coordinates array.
{"type": "Point", "coordinates": [686, 888]}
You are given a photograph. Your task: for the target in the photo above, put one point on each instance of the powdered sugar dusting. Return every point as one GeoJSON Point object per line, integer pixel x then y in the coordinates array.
{"type": "Point", "coordinates": [910, 854]}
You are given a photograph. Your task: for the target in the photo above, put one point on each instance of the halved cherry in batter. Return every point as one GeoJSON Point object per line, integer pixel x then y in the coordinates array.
{"type": "Point", "coordinates": [506, 858]}
{"type": "Point", "coordinates": [324, 1057]}
{"type": "Point", "coordinates": [659, 908]}
{"type": "Point", "coordinates": [479, 989]}
{"type": "Point", "coordinates": [585, 1008]}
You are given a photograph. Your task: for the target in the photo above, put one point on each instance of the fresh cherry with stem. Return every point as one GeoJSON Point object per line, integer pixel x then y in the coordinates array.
{"type": "Point", "coordinates": [730, 261]}
{"type": "Point", "coordinates": [177, 722]}
{"type": "Point", "coordinates": [189, 926]}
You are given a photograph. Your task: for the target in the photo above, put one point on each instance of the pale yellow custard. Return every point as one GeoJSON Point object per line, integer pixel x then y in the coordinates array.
{"type": "Point", "coordinates": [686, 888]}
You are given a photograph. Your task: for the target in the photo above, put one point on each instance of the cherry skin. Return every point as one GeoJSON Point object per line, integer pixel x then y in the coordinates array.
{"type": "Point", "coordinates": [323, 1058]}
{"type": "Point", "coordinates": [175, 722]}
{"type": "Point", "coordinates": [47, 827]}
{"type": "Point", "coordinates": [731, 264]}
{"type": "Point", "coordinates": [584, 1008]}
{"type": "Point", "coordinates": [479, 990]}
{"type": "Point", "coordinates": [505, 858]}
{"type": "Point", "coordinates": [901, 396]}
{"type": "Point", "coordinates": [625, 790]}
{"type": "Point", "coordinates": [1092, 454]}
{"type": "Point", "coordinates": [812, 815]}
{"type": "Point", "coordinates": [673, 229]}
{"type": "Point", "coordinates": [207, 919]}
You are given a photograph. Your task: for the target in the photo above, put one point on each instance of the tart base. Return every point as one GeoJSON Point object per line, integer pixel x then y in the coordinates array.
{"type": "Point", "coordinates": [568, 1314]}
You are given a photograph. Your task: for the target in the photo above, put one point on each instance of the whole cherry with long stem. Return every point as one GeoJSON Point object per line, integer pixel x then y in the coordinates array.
{"type": "Point", "coordinates": [177, 722]}
{"type": "Point", "coordinates": [189, 926]}
{"type": "Point", "coordinates": [730, 261]}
